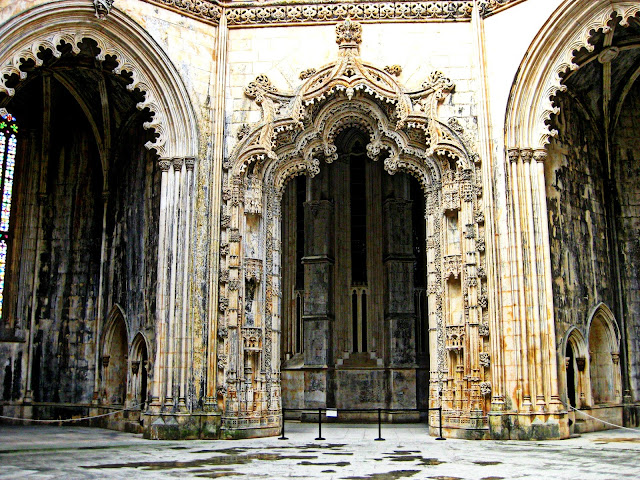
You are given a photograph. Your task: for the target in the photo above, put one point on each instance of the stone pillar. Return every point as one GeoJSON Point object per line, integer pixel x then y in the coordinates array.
{"type": "Point", "coordinates": [161, 307]}
{"type": "Point", "coordinates": [318, 302]}
{"type": "Point", "coordinates": [399, 303]}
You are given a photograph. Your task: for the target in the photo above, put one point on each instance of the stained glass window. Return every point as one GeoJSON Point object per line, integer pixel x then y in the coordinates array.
{"type": "Point", "coordinates": [8, 141]}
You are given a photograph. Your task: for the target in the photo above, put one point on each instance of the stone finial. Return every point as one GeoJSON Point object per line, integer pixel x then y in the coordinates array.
{"type": "Point", "coordinates": [348, 34]}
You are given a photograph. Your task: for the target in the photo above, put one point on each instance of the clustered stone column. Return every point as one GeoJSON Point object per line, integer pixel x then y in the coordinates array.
{"type": "Point", "coordinates": [169, 392]}
{"type": "Point", "coordinates": [534, 331]}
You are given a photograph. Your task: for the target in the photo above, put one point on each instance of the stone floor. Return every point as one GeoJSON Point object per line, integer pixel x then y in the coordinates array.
{"type": "Point", "coordinates": [349, 452]}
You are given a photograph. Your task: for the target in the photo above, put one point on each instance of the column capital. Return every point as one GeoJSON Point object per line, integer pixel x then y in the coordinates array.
{"type": "Point", "coordinates": [540, 155]}
{"type": "Point", "coordinates": [513, 154]}
{"type": "Point", "coordinates": [164, 164]}
{"type": "Point", "coordinates": [190, 163]}
{"type": "Point", "coordinates": [526, 154]}
{"type": "Point", "coordinates": [178, 162]}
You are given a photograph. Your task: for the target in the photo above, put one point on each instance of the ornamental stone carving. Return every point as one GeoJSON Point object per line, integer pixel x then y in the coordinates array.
{"type": "Point", "coordinates": [485, 359]}
{"type": "Point", "coordinates": [103, 7]}
{"type": "Point", "coordinates": [485, 388]}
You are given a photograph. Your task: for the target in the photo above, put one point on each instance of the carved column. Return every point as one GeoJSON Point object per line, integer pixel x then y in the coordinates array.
{"type": "Point", "coordinates": [533, 284]}
{"type": "Point", "coordinates": [548, 330]}
{"type": "Point", "coordinates": [157, 389]}
{"type": "Point", "coordinates": [519, 310]}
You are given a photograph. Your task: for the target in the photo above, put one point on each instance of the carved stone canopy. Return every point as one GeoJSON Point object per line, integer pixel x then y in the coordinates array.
{"type": "Point", "coordinates": [412, 115]}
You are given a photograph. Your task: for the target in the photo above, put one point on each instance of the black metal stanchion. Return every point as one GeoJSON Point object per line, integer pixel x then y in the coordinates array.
{"type": "Point", "coordinates": [440, 423]}
{"type": "Point", "coordinates": [282, 437]}
{"type": "Point", "coordinates": [320, 425]}
{"type": "Point", "coordinates": [379, 427]}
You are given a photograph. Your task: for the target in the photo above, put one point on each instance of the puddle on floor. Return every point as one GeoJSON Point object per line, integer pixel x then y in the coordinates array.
{"type": "Point", "coordinates": [211, 461]}
{"type": "Point", "coordinates": [414, 458]}
{"type": "Point", "coordinates": [394, 475]}
{"type": "Point", "coordinates": [225, 472]}
{"type": "Point", "coordinates": [328, 464]}
{"type": "Point", "coordinates": [602, 441]}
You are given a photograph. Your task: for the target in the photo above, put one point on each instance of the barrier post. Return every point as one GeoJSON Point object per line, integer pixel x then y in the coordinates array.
{"type": "Point", "coordinates": [379, 427]}
{"type": "Point", "coordinates": [320, 424]}
{"type": "Point", "coordinates": [440, 423]}
{"type": "Point", "coordinates": [282, 437]}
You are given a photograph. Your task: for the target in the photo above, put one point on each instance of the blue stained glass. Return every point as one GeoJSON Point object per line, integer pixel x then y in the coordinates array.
{"type": "Point", "coordinates": [8, 142]}
{"type": "Point", "coordinates": [3, 265]}
{"type": "Point", "coordinates": [5, 212]}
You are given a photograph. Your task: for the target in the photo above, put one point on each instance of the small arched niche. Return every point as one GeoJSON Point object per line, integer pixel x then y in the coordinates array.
{"type": "Point", "coordinates": [577, 372]}
{"type": "Point", "coordinates": [604, 358]}
{"type": "Point", "coordinates": [114, 358]}
{"type": "Point", "coordinates": [138, 394]}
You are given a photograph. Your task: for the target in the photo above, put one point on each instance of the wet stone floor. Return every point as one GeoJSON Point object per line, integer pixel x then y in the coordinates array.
{"type": "Point", "coordinates": [349, 452]}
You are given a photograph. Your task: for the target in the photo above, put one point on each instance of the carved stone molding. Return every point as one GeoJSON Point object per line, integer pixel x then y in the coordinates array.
{"type": "Point", "coordinates": [280, 12]}
{"type": "Point", "coordinates": [551, 55]}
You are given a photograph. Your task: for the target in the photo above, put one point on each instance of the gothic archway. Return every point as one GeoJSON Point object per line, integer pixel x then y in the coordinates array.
{"type": "Point", "coordinates": [151, 93]}
{"type": "Point", "coordinates": [298, 132]}
{"type": "Point", "coordinates": [68, 23]}
{"type": "Point", "coordinates": [535, 186]}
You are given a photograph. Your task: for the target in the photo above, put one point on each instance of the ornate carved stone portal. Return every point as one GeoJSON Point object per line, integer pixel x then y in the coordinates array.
{"type": "Point", "coordinates": [301, 133]}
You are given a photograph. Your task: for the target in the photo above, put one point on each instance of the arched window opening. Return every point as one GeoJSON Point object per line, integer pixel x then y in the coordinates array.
{"type": "Point", "coordinates": [8, 143]}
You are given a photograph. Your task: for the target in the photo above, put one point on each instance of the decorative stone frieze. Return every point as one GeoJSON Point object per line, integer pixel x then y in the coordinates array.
{"type": "Point", "coordinates": [304, 12]}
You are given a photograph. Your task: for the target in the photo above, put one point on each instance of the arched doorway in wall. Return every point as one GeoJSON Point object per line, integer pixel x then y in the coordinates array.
{"type": "Point", "coordinates": [115, 359]}
{"type": "Point", "coordinates": [604, 355]}
{"type": "Point", "coordinates": [138, 393]}
{"type": "Point", "coordinates": [349, 123]}
{"type": "Point", "coordinates": [376, 243]}
{"type": "Point", "coordinates": [577, 389]}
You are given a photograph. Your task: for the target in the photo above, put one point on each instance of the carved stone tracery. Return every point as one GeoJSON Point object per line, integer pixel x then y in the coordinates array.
{"type": "Point", "coordinates": [297, 133]}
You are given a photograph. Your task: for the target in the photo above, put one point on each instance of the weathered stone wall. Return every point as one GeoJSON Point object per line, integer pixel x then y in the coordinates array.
{"type": "Point", "coordinates": [581, 251]}
{"type": "Point", "coordinates": [626, 146]}
{"type": "Point", "coordinates": [69, 263]}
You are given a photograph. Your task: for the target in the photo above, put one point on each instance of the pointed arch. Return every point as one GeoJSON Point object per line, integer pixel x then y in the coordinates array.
{"type": "Point", "coordinates": [69, 22]}
{"type": "Point", "coordinates": [576, 353]}
{"type": "Point", "coordinates": [604, 355]}
{"type": "Point", "coordinates": [138, 392]}
{"type": "Point", "coordinates": [115, 353]}
{"type": "Point", "coordinates": [550, 55]}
